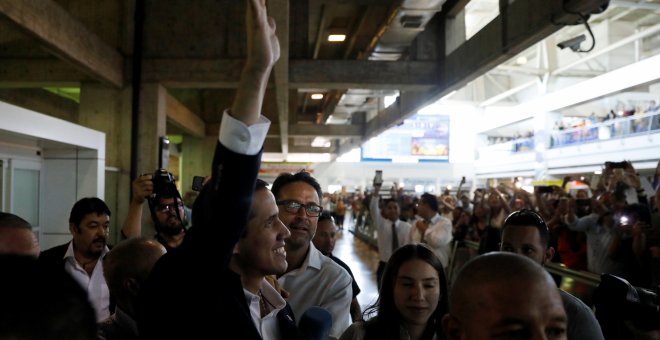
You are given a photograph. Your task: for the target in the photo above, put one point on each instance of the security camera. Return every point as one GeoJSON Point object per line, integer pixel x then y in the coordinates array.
{"type": "Point", "coordinates": [573, 43]}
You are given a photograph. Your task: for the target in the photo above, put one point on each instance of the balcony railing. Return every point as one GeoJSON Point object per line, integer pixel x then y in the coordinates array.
{"type": "Point", "coordinates": [611, 129]}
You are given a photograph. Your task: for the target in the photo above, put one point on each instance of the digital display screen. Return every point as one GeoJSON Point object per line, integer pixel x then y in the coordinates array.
{"type": "Point", "coordinates": [421, 138]}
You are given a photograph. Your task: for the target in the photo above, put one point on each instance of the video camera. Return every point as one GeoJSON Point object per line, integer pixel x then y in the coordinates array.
{"type": "Point", "coordinates": [619, 304]}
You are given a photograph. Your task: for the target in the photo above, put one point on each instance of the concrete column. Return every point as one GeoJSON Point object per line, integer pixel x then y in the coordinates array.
{"type": "Point", "coordinates": [196, 158]}
{"type": "Point", "coordinates": [454, 32]}
{"type": "Point", "coordinates": [108, 110]}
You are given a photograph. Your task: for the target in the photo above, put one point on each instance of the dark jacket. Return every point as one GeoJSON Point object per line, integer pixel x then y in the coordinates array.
{"type": "Point", "coordinates": [191, 293]}
{"type": "Point", "coordinates": [53, 260]}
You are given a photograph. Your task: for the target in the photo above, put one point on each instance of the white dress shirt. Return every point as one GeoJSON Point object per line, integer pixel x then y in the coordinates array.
{"type": "Point", "coordinates": [384, 227]}
{"type": "Point", "coordinates": [95, 286]}
{"type": "Point", "coordinates": [267, 326]}
{"type": "Point", "coordinates": [438, 236]}
{"type": "Point", "coordinates": [240, 138]}
{"type": "Point", "coordinates": [320, 281]}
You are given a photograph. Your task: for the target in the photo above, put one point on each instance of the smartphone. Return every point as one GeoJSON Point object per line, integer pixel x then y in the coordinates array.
{"type": "Point", "coordinates": [197, 183]}
{"type": "Point", "coordinates": [378, 178]}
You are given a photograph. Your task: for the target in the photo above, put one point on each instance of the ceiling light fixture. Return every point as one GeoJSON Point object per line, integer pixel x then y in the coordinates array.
{"type": "Point", "coordinates": [317, 96]}
{"type": "Point", "coordinates": [336, 37]}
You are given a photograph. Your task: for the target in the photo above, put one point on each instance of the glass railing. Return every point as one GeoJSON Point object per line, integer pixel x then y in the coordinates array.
{"type": "Point", "coordinates": [611, 129]}
{"type": "Point", "coordinates": [496, 151]}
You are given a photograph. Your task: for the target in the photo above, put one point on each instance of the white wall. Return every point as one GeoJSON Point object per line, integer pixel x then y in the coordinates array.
{"type": "Point", "coordinates": [73, 164]}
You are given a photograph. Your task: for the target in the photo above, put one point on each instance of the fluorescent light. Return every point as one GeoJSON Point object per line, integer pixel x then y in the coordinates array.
{"type": "Point", "coordinates": [336, 37]}
{"type": "Point", "coordinates": [317, 96]}
{"type": "Point", "coordinates": [521, 61]}
{"type": "Point", "coordinates": [321, 142]}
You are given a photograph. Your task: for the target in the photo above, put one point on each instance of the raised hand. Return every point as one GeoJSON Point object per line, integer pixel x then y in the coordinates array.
{"type": "Point", "coordinates": [263, 48]}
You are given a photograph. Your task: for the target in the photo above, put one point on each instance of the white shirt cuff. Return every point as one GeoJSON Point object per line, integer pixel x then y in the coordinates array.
{"type": "Point", "coordinates": [240, 138]}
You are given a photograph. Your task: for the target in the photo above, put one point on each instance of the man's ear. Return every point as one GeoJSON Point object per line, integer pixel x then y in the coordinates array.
{"type": "Point", "coordinates": [72, 229]}
{"type": "Point", "coordinates": [452, 327]}
{"type": "Point", "coordinates": [549, 254]}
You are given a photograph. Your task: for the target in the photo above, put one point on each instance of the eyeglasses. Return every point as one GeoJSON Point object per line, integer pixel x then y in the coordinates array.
{"type": "Point", "coordinates": [312, 209]}
{"type": "Point", "coordinates": [169, 207]}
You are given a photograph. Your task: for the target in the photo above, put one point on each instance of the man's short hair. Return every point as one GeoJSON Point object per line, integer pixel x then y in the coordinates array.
{"type": "Point", "coordinates": [326, 215]}
{"type": "Point", "coordinates": [300, 176]}
{"type": "Point", "coordinates": [430, 200]}
{"type": "Point", "coordinates": [86, 206]}
{"type": "Point", "coordinates": [527, 218]}
{"type": "Point", "coordinates": [388, 200]}
{"type": "Point", "coordinates": [8, 220]}
{"type": "Point", "coordinates": [259, 185]}
{"type": "Point", "coordinates": [491, 268]}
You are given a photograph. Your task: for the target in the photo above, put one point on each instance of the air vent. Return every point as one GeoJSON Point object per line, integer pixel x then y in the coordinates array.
{"type": "Point", "coordinates": [411, 21]}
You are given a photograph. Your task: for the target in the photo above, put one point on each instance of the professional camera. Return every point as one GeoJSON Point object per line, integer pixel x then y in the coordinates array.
{"type": "Point", "coordinates": [164, 184]}
{"type": "Point", "coordinates": [621, 306]}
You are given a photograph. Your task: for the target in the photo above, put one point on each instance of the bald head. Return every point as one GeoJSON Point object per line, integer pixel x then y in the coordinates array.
{"type": "Point", "coordinates": [127, 266]}
{"type": "Point", "coordinates": [501, 292]}
{"type": "Point", "coordinates": [16, 236]}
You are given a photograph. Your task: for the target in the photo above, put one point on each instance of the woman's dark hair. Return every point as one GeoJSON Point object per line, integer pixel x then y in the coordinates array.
{"type": "Point", "coordinates": [386, 319]}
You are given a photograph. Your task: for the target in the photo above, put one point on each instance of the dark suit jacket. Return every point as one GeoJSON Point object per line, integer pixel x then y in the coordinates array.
{"type": "Point", "coordinates": [52, 261]}
{"type": "Point", "coordinates": [191, 293]}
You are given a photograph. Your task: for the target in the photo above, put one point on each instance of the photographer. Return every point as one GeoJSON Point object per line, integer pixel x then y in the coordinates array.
{"type": "Point", "coordinates": [166, 207]}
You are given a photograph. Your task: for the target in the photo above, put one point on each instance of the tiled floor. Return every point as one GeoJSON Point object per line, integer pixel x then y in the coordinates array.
{"type": "Point", "coordinates": [363, 261]}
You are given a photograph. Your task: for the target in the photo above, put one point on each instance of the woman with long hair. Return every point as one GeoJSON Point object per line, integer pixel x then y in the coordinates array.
{"type": "Point", "coordinates": [411, 302]}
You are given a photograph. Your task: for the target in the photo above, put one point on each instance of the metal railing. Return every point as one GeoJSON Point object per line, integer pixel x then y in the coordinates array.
{"type": "Point", "coordinates": [588, 278]}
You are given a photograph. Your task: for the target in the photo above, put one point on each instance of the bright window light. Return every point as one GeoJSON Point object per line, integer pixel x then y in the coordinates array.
{"type": "Point", "coordinates": [336, 37]}
{"type": "Point", "coordinates": [419, 188]}
{"type": "Point", "coordinates": [317, 96]}
{"type": "Point", "coordinates": [352, 156]}
{"type": "Point", "coordinates": [333, 188]}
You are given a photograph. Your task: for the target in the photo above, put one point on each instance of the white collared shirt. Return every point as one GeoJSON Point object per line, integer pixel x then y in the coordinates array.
{"type": "Point", "coordinates": [97, 290]}
{"type": "Point", "coordinates": [384, 227]}
{"type": "Point", "coordinates": [267, 326]}
{"type": "Point", "coordinates": [320, 281]}
{"type": "Point", "coordinates": [438, 236]}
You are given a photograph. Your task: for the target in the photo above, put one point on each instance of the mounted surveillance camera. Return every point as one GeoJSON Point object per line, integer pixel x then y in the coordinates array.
{"type": "Point", "coordinates": [573, 43]}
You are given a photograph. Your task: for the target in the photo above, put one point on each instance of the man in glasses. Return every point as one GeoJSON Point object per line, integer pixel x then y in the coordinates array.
{"type": "Point", "coordinates": [167, 213]}
{"type": "Point", "coordinates": [524, 232]}
{"type": "Point", "coordinates": [311, 279]}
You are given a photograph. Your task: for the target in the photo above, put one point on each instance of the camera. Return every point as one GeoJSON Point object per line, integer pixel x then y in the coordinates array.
{"type": "Point", "coordinates": [616, 165]}
{"type": "Point", "coordinates": [573, 43]}
{"type": "Point", "coordinates": [545, 189]}
{"type": "Point", "coordinates": [618, 304]}
{"type": "Point", "coordinates": [164, 184]}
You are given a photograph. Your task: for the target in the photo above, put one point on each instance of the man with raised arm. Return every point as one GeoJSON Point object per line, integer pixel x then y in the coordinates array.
{"type": "Point", "coordinates": [193, 292]}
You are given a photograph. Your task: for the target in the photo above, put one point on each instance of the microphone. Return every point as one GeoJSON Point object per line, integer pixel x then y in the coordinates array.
{"type": "Point", "coordinates": [315, 324]}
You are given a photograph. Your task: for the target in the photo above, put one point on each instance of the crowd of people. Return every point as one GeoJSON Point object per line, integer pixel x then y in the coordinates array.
{"type": "Point", "coordinates": [258, 262]}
